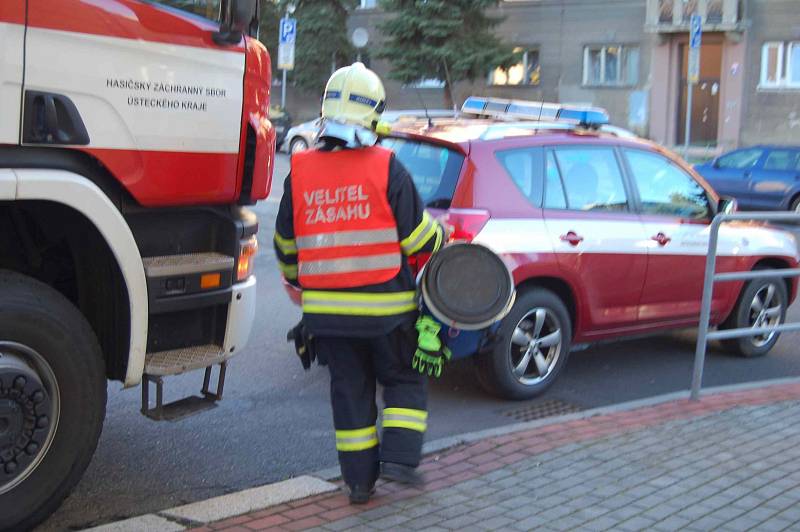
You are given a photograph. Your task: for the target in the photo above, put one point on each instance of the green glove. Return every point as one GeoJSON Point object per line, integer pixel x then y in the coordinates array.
{"type": "Point", "coordinates": [431, 354]}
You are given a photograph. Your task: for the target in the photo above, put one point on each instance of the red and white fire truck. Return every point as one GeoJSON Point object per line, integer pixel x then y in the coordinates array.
{"type": "Point", "coordinates": [132, 135]}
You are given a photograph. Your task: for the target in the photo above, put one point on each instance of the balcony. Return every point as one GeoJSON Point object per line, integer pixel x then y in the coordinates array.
{"type": "Point", "coordinates": [672, 16]}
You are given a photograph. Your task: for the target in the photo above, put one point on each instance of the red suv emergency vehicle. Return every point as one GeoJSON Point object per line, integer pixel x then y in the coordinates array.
{"type": "Point", "coordinates": [132, 135]}
{"type": "Point", "coordinates": [606, 235]}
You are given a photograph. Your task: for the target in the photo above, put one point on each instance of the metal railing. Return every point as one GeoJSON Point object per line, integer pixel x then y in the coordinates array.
{"type": "Point", "coordinates": [711, 277]}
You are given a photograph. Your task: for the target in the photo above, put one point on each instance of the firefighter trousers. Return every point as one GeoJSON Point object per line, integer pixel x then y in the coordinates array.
{"type": "Point", "coordinates": [355, 365]}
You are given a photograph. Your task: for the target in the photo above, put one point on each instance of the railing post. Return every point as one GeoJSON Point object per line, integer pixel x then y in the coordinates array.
{"type": "Point", "coordinates": [705, 307]}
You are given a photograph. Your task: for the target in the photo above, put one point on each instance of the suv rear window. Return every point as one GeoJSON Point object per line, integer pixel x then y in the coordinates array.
{"type": "Point", "coordinates": [435, 169]}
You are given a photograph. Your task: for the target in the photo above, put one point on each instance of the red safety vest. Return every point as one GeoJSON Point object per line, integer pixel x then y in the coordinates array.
{"type": "Point", "coordinates": [344, 226]}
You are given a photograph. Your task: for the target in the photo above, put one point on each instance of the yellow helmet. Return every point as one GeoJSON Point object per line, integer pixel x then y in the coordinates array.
{"type": "Point", "coordinates": [354, 95]}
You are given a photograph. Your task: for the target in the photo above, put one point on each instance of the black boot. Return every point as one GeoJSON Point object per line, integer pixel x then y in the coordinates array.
{"type": "Point", "coordinates": [359, 495]}
{"type": "Point", "coordinates": [401, 473]}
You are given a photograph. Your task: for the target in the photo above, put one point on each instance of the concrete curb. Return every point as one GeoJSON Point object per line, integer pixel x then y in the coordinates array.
{"type": "Point", "coordinates": [318, 482]}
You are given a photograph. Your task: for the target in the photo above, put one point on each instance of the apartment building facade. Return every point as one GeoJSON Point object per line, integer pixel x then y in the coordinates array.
{"type": "Point", "coordinates": [630, 56]}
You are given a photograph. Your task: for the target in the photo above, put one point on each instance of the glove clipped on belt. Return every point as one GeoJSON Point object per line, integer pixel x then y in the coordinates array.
{"type": "Point", "coordinates": [431, 354]}
{"type": "Point", "coordinates": [303, 344]}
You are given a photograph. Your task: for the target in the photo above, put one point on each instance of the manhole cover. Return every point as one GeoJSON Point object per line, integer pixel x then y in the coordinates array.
{"type": "Point", "coordinates": [542, 409]}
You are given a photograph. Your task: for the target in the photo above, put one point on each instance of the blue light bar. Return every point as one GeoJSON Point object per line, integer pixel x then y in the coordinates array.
{"type": "Point", "coordinates": [585, 116]}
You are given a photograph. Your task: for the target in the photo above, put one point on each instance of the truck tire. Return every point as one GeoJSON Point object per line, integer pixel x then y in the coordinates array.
{"type": "Point", "coordinates": [762, 302]}
{"type": "Point", "coordinates": [52, 380]}
{"type": "Point", "coordinates": [539, 322]}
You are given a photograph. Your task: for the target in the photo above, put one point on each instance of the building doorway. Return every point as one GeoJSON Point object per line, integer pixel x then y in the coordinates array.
{"type": "Point", "coordinates": [705, 96]}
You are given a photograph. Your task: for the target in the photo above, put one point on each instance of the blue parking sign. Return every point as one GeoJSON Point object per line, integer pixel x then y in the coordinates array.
{"type": "Point", "coordinates": [288, 31]}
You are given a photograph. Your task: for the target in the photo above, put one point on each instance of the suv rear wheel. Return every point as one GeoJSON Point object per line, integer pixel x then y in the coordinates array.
{"type": "Point", "coordinates": [531, 349]}
{"type": "Point", "coordinates": [761, 304]}
{"type": "Point", "coordinates": [52, 399]}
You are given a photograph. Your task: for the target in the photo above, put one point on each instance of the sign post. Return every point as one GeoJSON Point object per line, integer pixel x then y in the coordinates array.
{"type": "Point", "coordinates": [288, 35]}
{"type": "Point", "coordinates": [692, 73]}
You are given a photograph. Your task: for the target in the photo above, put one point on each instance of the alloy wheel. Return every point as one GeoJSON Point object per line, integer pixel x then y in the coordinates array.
{"type": "Point", "coordinates": [536, 346]}
{"type": "Point", "coordinates": [30, 408]}
{"type": "Point", "coordinates": [766, 310]}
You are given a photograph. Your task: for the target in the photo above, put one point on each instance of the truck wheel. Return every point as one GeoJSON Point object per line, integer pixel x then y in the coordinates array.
{"type": "Point", "coordinates": [531, 347]}
{"type": "Point", "coordinates": [761, 304]}
{"type": "Point", "coordinates": [52, 399]}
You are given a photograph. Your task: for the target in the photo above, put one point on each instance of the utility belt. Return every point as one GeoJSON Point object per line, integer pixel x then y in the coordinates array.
{"type": "Point", "coordinates": [462, 287]}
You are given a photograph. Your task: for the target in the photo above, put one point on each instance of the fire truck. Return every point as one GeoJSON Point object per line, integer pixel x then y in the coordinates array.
{"type": "Point", "coordinates": [133, 134]}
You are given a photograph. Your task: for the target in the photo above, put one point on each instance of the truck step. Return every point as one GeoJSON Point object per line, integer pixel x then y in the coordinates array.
{"type": "Point", "coordinates": [190, 263]}
{"type": "Point", "coordinates": [177, 361]}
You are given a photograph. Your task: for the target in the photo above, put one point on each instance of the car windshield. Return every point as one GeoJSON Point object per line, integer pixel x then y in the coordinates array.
{"type": "Point", "coordinates": [435, 169]}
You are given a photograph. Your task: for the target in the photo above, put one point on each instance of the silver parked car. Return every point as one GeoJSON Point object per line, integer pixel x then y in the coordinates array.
{"type": "Point", "coordinates": [301, 136]}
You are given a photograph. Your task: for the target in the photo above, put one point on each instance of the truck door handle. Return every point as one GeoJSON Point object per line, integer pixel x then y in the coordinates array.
{"type": "Point", "coordinates": [52, 119]}
{"type": "Point", "coordinates": [662, 239]}
{"type": "Point", "coordinates": [572, 238]}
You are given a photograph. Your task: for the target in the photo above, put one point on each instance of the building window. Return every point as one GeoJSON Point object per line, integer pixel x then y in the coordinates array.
{"type": "Point", "coordinates": [526, 72]}
{"type": "Point", "coordinates": [610, 65]}
{"type": "Point", "coordinates": [368, 4]}
{"type": "Point", "coordinates": [780, 65]}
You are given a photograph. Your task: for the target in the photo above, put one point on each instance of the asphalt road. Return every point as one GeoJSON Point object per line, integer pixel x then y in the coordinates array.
{"type": "Point", "coordinates": [275, 420]}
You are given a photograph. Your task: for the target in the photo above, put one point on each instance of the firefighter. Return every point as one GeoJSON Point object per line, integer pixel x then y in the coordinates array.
{"type": "Point", "coordinates": [349, 218]}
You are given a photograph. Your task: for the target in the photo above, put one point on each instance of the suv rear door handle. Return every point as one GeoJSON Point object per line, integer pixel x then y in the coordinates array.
{"type": "Point", "coordinates": [662, 239]}
{"type": "Point", "coordinates": [572, 238]}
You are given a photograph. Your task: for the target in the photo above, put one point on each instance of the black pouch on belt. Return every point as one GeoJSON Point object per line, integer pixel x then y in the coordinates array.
{"type": "Point", "coordinates": [303, 344]}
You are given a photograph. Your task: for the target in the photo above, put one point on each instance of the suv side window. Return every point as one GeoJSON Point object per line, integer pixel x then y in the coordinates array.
{"type": "Point", "coordinates": [592, 179]}
{"type": "Point", "coordinates": [781, 160]}
{"type": "Point", "coordinates": [525, 168]}
{"type": "Point", "coordinates": [740, 159]}
{"type": "Point", "coordinates": [664, 188]}
{"type": "Point", "coordinates": [205, 8]}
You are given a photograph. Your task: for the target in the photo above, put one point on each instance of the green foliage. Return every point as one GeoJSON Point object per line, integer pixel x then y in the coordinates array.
{"type": "Point", "coordinates": [451, 40]}
{"type": "Point", "coordinates": [322, 38]}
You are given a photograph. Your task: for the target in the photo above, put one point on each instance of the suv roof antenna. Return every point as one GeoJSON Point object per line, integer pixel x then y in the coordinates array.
{"type": "Point", "coordinates": [425, 107]}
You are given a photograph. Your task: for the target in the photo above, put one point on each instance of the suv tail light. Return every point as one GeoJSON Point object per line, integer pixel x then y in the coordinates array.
{"type": "Point", "coordinates": [463, 225]}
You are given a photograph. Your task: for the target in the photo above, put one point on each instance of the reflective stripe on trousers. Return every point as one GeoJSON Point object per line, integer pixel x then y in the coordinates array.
{"type": "Point", "coordinates": [356, 440]}
{"type": "Point", "coordinates": [348, 238]}
{"type": "Point", "coordinates": [359, 303]}
{"type": "Point", "coordinates": [405, 418]}
{"type": "Point", "coordinates": [350, 264]}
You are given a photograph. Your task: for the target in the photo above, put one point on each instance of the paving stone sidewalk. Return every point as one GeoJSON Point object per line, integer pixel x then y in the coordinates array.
{"type": "Point", "coordinates": [729, 462]}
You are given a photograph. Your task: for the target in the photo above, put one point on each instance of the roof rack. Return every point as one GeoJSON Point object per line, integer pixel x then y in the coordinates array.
{"type": "Point", "coordinates": [584, 116]}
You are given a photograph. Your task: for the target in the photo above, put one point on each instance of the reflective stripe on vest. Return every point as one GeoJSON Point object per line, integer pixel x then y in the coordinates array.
{"type": "Point", "coordinates": [345, 231]}
{"type": "Point", "coordinates": [349, 264]}
{"type": "Point", "coordinates": [359, 303]}
{"type": "Point", "coordinates": [405, 418]}
{"type": "Point", "coordinates": [348, 238]}
{"type": "Point", "coordinates": [356, 440]}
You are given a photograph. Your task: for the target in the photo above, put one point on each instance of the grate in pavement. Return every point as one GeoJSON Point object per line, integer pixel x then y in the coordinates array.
{"type": "Point", "coordinates": [542, 409]}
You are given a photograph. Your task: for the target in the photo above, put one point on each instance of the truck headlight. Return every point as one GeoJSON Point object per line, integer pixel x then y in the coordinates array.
{"type": "Point", "coordinates": [247, 256]}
